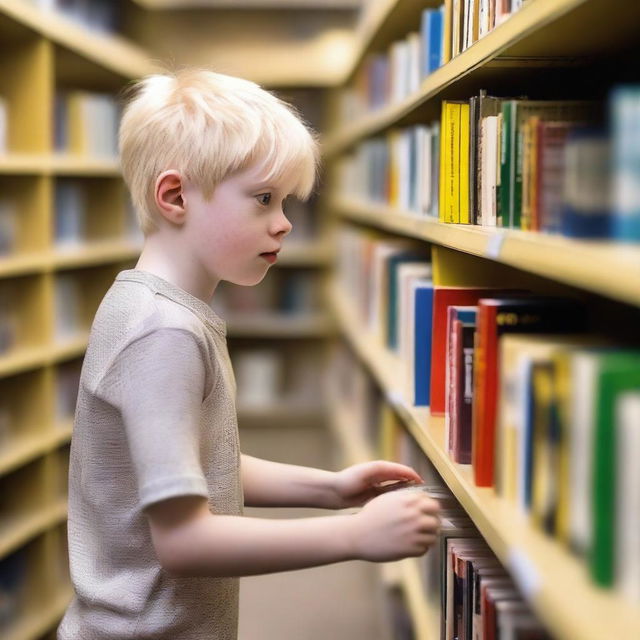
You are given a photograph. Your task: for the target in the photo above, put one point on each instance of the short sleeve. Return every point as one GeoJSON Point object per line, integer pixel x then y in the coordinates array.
{"type": "Point", "coordinates": [158, 384]}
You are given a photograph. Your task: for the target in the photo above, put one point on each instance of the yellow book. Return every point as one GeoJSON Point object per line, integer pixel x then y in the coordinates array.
{"type": "Point", "coordinates": [463, 216]}
{"type": "Point", "coordinates": [562, 365]}
{"type": "Point", "coordinates": [444, 163]}
{"type": "Point", "coordinates": [447, 31]}
{"type": "Point", "coordinates": [529, 170]}
{"type": "Point", "coordinates": [452, 213]}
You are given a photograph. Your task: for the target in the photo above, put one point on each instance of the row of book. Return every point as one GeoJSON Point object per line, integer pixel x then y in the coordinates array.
{"type": "Point", "coordinates": [86, 123]}
{"type": "Point", "coordinates": [443, 32]}
{"type": "Point", "coordinates": [282, 291]}
{"type": "Point", "coordinates": [543, 410]}
{"type": "Point", "coordinates": [100, 15]}
{"type": "Point", "coordinates": [526, 164]}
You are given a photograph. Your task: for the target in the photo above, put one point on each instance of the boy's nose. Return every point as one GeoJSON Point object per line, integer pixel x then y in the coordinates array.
{"type": "Point", "coordinates": [281, 226]}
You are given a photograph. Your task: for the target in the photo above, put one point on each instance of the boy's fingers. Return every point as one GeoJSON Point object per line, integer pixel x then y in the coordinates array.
{"type": "Point", "coordinates": [384, 472]}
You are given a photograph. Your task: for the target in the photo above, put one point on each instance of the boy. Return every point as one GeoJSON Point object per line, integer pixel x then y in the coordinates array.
{"type": "Point", "coordinates": [157, 539]}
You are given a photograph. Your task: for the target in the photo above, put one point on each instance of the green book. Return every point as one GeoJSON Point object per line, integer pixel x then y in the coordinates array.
{"type": "Point", "coordinates": [618, 373]}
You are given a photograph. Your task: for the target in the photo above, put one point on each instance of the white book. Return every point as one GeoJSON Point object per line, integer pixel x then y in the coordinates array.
{"type": "Point", "coordinates": [584, 371]}
{"type": "Point", "coordinates": [408, 273]}
{"type": "Point", "coordinates": [627, 548]}
{"type": "Point", "coordinates": [435, 169]}
{"type": "Point", "coordinates": [489, 170]}
{"type": "Point", "coordinates": [70, 210]}
{"type": "Point", "coordinates": [67, 307]}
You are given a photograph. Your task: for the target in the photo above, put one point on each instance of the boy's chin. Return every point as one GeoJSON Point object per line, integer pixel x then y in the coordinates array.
{"type": "Point", "coordinates": [249, 280]}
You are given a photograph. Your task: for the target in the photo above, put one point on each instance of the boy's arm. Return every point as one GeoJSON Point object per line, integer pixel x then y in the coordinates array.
{"type": "Point", "coordinates": [189, 540]}
{"type": "Point", "coordinates": [272, 484]}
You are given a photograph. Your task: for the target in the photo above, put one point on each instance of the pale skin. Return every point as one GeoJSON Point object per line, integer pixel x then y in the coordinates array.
{"type": "Point", "coordinates": [197, 244]}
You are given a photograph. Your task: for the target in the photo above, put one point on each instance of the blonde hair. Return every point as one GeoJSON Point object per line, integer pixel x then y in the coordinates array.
{"type": "Point", "coordinates": [208, 125]}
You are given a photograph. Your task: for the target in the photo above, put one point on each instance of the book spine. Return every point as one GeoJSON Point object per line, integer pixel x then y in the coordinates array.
{"type": "Point", "coordinates": [485, 397]}
{"type": "Point", "coordinates": [444, 163]}
{"type": "Point", "coordinates": [466, 396]}
{"type": "Point", "coordinates": [505, 165]}
{"type": "Point", "coordinates": [465, 188]}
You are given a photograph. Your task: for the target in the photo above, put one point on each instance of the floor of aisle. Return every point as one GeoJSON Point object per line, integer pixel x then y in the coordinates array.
{"type": "Point", "coordinates": [337, 602]}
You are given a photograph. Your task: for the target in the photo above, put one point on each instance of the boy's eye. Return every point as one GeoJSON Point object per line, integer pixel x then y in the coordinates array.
{"type": "Point", "coordinates": [264, 199]}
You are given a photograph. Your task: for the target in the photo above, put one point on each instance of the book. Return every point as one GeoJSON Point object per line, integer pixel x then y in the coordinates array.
{"type": "Point", "coordinates": [627, 544]}
{"type": "Point", "coordinates": [450, 162]}
{"type": "Point", "coordinates": [461, 322]}
{"type": "Point", "coordinates": [618, 373]}
{"type": "Point", "coordinates": [422, 291]}
{"type": "Point", "coordinates": [495, 318]}
{"type": "Point", "coordinates": [515, 113]}
{"type": "Point", "coordinates": [586, 211]}
{"type": "Point", "coordinates": [623, 108]}
{"type": "Point", "coordinates": [432, 23]}
{"type": "Point", "coordinates": [444, 297]}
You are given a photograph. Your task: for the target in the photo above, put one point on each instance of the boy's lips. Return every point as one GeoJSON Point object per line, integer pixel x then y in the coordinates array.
{"type": "Point", "coordinates": [270, 256]}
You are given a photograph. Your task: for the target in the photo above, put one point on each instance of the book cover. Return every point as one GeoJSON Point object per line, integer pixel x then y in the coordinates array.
{"type": "Point", "coordinates": [623, 108]}
{"type": "Point", "coordinates": [619, 373]}
{"type": "Point", "coordinates": [495, 318]}
{"type": "Point", "coordinates": [444, 297]}
{"type": "Point", "coordinates": [627, 543]}
{"type": "Point", "coordinates": [450, 164]}
{"type": "Point", "coordinates": [423, 320]}
{"type": "Point", "coordinates": [464, 159]}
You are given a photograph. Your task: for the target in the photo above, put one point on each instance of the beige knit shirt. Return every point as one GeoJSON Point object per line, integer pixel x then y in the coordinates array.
{"type": "Point", "coordinates": [155, 419]}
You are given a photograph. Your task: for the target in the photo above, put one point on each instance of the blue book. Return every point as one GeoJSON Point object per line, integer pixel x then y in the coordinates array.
{"type": "Point", "coordinates": [625, 129]}
{"type": "Point", "coordinates": [586, 211]}
{"type": "Point", "coordinates": [423, 321]}
{"type": "Point", "coordinates": [431, 35]}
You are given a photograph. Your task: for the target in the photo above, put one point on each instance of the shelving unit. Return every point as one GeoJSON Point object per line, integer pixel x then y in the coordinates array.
{"type": "Point", "coordinates": [557, 35]}
{"type": "Point", "coordinates": [42, 52]}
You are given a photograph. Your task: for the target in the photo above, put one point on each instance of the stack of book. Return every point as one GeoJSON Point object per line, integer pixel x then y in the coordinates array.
{"type": "Point", "coordinates": [535, 165]}
{"type": "Point", "coordinates": [86, 123]}
{"type": "Point", "coordinates": [388, 77]}
{"type": "Point", "coordinates": [545, 412]}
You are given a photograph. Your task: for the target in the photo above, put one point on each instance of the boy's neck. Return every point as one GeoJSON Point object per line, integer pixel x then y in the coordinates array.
{"type": "Point", "coordinates": [175, 268]}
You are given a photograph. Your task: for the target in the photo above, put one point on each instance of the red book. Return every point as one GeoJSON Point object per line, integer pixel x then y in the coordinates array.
{"type": "Point", "coordinates": [443, 298]}
{"type": "Point", "coordinates": [495, 317]}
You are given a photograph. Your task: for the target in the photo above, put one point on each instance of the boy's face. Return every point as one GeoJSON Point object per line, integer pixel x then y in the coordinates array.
{"type": "Point", "coordinates": [236, 235]}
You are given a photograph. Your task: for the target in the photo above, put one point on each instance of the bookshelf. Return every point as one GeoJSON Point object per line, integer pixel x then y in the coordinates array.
{"type": "Point", "coordinates": [542, 36]}
{"type": "Point", "coordinates": [43, 53]}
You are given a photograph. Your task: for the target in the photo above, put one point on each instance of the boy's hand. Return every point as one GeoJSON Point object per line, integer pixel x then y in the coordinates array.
{"type": "Point", "coordinates": [360, 483]}
{"type": "Point", "coordinates": [396, 525]}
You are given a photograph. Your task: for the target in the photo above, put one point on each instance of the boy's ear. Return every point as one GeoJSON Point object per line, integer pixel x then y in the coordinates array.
{"type": "Point", "coordinates": [169, 197]}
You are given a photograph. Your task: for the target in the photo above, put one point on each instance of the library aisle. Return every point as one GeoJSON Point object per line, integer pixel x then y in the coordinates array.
{"type": "Point", "coordinates": [342, 601]}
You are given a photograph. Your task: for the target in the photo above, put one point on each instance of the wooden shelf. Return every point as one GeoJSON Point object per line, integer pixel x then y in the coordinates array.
{"type": "Point", "coordinates": [86, 255]}
{"type": "Point", "coordinates": [278, 325]}
{"type": "Point", "coordinates": [556, 583]}
{"type": "Point", "coordinates": [22, 450]}
{"type": "Point", "coordinates": [110, 52]}
{"type": "Point", "coordinates": [250, 4]}
{"type": "Point", "coordinates": [34, 357]}
{"type": "Point", "coordinates": [37, 620]}
{"type": "Point", "coordinates": [588, 265]}
{"type": "Point", "coordinates": [543, 32]}
{"type": "Point", "coordinates": [56, 164]}
{"type": "Point", "coordinates": [17, 531]}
